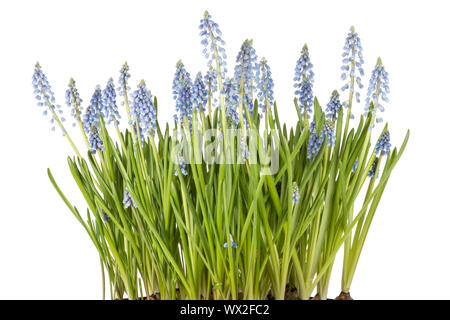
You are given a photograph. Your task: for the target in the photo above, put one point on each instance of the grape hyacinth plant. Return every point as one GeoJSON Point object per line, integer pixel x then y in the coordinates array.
{"type": "Point", "coordinates": [227, 202]}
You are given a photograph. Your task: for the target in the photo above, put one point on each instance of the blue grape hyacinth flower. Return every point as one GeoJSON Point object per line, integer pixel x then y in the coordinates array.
{"type": "Point", "coordinates": [45, 96]}
{"type": "Point", "coordinates": [315, 142]}
{"type": "Point", "coordinates": [384, 143]}
{"type": "Point", "coordinates": [373, 168]}
{"type": "Point", "coordinates": [213, 44]}
{"type": "Point", "coordinates": [128, 200]}
{"type": "Point", "coordinates": [211, 85]}
{"type": "Point", "coordinates": [295, 193]}
{"type": "Point", "coordinates": [124, 75]}
{"type": "Point", "coordinates": [142, 110]}
{"type": "Point", "coordinates": [352, 63]}
{"type": "Point", "coordinates": [231, 94]}
{"type": "Point", "coordinates": [182, 94]}
{"type": "Point", "coordinates": [199, 93]}
{"type": "Point", "coordinates": [244, 74]}
{"type": "Point", "coordinates": [333, 106]}
{"type": "Point", "coordinates": [378, 88]}
{"type": "Point", "coordinates": [182, 164]}
{"type": "Point", "coordinates": [109, 104]}
{"type": "Point", "coordinates": [303, 82]}
{"type": "Point", "coordinates": [91, 116]}
{"type": "Point", "coordinates": [264, 84]}
{"type": "Point", "coordinates": [73, 101]}
{"type": "Point", "coordinates": [95, 142]}
{"type": "Point", "coordinates": [328, 131]}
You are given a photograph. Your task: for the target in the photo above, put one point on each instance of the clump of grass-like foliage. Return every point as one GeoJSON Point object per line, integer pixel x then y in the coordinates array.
{"type": "Point", "coordinates": [270, 207]}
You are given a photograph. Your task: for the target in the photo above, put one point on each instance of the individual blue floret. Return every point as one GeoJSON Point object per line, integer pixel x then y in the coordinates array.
{"type": "Point", "coordinates": [128, 200]}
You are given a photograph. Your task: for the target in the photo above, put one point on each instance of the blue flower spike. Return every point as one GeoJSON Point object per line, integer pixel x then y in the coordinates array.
{"type": "Point", "coordinates": [244, 74]}
{"type": "Point", "coordinates": [143, 111]}
{"type": "Point", "coordinates": [73, 101]}
{"type": "Point", "coordinates": [46, 98]}
{"type": "Point", "coordinates": [295, 192]}
{"type": "Point", "coordinates": [333, 106]}
{"type": "Point", "coordinates": [264, 84]}
{"type": "Point", "coordinates": [182, 94]}
{"type": "Point", "coordinates": [378, 90]}
{"type": "Point", "coordinates": [91, 116]}
{"type": "Point", "coordinates": [199, 94]}
{"type": "Point", "coordinates": [328, 131]}
{"type": "Point", "coordinates": [213, 44]}
{"type": "Point", "coordinates": [231, 95]}
{"type": "Point", "coordinates": [303, 83]}
{"type": "Point", "coordinates": [109, 104]}
{"type": "Point", "coordinates": [383, 144]}
{"type": "Point", "coordinates": [352, 70]}
{"type": "Point", "coordinates": [182, 164]}
{"type": "Point", "coordinates": [315, 142]}
{"type": "Point", "coordinates": [373, 168]}
{"type": "Point", "coordinates": [210, 81]}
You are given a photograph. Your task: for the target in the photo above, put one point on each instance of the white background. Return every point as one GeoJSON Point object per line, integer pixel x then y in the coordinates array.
{"type": "Point", "coordinates": [44, 253]}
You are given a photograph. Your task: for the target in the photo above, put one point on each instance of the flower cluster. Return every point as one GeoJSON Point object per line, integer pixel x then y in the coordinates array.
{"type": "Point", "coordinates": [182, 165]}
{"type": "Point", "coordinates": [264, 84]}
{"type": "Point", "coordinates": [123, 80]}
{"type": "Point", "coordinates": [128, 200]}
{"type": "Point", "coordinates": [231, 94]}
{"type": "Point", "coordinates": [303, 82]}
{"type": "Point", "coordinates": [352, 62]}
{"type": "Point", "coordinates": [44, 94]}
{"type": "Point", "coordinates": [245, 154]}
{"type": "Point", "coordinates": [90, 118]}
{"type": "Point", "coordinates": [182, 93]}
{"type": "Point", "coordinates": [95, 142]}
{"type": "Point", "coordinates": [295, 193]}
{"type": "Point", "coordinates": [143, 110]}
{"type": "Point", "coordinates": [384, 143]}
{"type": "Point", "coordinates": [315, 142]}
{"type": "Point", "coordinates": [109, 106]}
{"type": "Point", "coordinates": [333, 106]}
{"type": "Point", "coordinates": [328, 131]}
{"type": "Point", "coordinates": [211, 84]}
{"type": "Point", "coordinates": [244, 74]}
{"type": "Point", "coordinates": [378, 87]}
{"type": "Point", "coordinates": [74, 101]}
{"type": "Point", "coordinates": [213, 43]}
{"type": "Point", "coordinates": [373, 168]}
{"type": "Point", "coordinates": [91, 121]}
{"type": "Point", "coordinates": [199, 93]}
